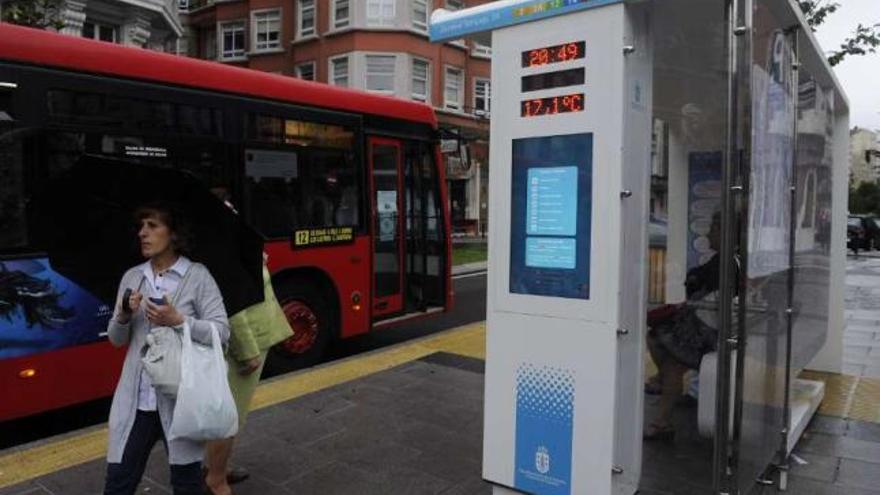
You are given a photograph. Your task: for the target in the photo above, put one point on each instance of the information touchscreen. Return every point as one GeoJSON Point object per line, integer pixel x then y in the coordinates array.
{"type": "Point", "coordinates": [550, 216]}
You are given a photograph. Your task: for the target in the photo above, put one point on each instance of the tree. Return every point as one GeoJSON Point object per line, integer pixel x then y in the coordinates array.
{"type": "Point", "coordinates": [42, 14]}
{"type": "Point", "coordinates": [864, 39]}
{"type": "Point", "coordinates": [865, 198]}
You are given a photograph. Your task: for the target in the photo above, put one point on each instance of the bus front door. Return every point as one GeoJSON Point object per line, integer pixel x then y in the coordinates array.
{"type": "Point", "coordinates": [388, 231]}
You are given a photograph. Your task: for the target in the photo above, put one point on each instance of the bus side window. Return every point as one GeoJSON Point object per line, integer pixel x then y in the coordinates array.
{"type": "Point", "coordinates": [300, 174]}
{"type": "Point", "coordinates": [13, 222]}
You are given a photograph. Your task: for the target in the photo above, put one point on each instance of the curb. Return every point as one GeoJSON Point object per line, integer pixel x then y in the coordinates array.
{"type": "Point", "coordinates": [468, 268]}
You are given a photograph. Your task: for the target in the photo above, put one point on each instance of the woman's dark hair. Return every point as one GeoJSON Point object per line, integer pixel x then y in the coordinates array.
{"type": "Point", "coordinates": [182, 237]}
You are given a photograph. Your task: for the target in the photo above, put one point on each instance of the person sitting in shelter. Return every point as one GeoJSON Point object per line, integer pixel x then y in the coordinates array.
{"type": "Point", "coordinates": [681, 335]}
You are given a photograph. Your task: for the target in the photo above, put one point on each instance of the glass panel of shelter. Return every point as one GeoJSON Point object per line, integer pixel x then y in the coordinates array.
{"type": "Point", "coordinates": [766, 251]}
{"type": "Point", "coordinates": [691, 115]}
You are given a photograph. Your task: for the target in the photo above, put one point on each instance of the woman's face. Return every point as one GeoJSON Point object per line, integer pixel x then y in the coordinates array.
{"type": "Point", "coordinates": [155, 237]}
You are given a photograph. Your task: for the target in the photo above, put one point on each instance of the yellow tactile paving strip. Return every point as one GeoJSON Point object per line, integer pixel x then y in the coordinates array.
{"type": "Point", "coordinates": [845, 396]}
{"type": "Point", "coordinates": [25, 465]}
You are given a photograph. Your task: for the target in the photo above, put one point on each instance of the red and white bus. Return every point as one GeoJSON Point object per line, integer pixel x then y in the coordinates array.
{"type": "Point", "coordinates": [345, 186]}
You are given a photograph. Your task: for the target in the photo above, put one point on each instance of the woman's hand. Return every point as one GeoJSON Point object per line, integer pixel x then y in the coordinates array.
{"type": "Point", "coordinates": [134, 302]}
{"type": "Point", "coordinates": [249, 366]}
{"type": "Point", "coordinates": [164, 315]}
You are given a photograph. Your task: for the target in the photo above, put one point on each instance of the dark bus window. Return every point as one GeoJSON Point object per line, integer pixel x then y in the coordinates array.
{"type": "Point", "coordinates": [133, 115]}
{"type": "Point", "coordinates": [203, 159]}
{"type": "Point", "coordinates": [13, 225]}
{"type": "Point", "coordinates": [300, 175]}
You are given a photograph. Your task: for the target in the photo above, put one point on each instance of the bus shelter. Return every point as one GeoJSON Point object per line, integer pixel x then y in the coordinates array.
{"type": "Point", "coordinates": [680, 159]}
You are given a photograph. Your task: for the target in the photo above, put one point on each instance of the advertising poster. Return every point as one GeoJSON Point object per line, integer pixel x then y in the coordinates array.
{"type": "Point", "coordinates": [772, 151]}
{"type": "Point", "coordinates": [41, 310]}
{"type": "Point", "coordinates": [704, 200]}
{"type": "Point", "coordinates": [551, 216]}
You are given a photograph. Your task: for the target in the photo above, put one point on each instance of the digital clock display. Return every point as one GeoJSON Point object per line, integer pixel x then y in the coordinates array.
{"type": "Point", "coordinates": [552, 105]}
{"type": "Point", "coordinates": [551, 80]}
{"type": "Point", "coordinates": [553, 54]}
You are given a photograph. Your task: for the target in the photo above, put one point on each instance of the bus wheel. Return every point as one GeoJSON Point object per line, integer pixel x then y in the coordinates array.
{"type": "Point", "coordinates": [310, 321]}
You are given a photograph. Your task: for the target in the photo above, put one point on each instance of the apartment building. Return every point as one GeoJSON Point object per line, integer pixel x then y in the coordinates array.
{"type": "Point", "coordinates": [380, 46]}
{"type": "Point", "coordinates": [152, 24]}
{"type": "Point", "coordinates": [864, 163]}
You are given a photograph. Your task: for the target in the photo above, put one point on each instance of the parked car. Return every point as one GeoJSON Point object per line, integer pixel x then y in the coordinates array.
{"type": "Point", "coordinates": [855, 234]}
{"type": "Point", "coordinates": [862, 232]}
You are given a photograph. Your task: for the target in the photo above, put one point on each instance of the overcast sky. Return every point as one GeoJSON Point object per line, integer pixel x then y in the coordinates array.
{"type": "Point", "coordinates": [859, 75]}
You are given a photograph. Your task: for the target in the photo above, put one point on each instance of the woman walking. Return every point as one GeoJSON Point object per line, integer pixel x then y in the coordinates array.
{"type": "Point", "coordinates": [169, 290]}
{"type": "Point", "coordinates": [254, 330]}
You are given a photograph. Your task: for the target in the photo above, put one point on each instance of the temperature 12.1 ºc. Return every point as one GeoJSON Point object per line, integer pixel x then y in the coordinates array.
{"type": "Point", "coordinates": [552, 105]}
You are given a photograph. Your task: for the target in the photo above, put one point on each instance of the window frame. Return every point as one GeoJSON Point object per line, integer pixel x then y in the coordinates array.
{"type": "Point", "coordinates": [331, 74]}
{"type": "Point", "coordinates": [480, 50]}
{"type": "Point", "coordinates": [314, 69]}
{"type": "Point", "coordinates": [96, 33]}
{"type": "Point", "coordinates": [255, 30]}
{"type": "Point", "coordinates": [487, 96]}
{"type": "Point", "coordinates": [382, 21]}
{"type": "Point", "coordinates": [335, 21]}
{"type": "Point", "coordinates": [415, 23]}
{"type": "Point", "coordinates": [300, 8]}
{"type": "Point", "coordinates": [394, 57]}
{"type": "Point", "coordinates": [459, 104]}
{"type": "Point", "coordinates": [221, 52]}
{"type": "Point", "coordinates": [412, 73]}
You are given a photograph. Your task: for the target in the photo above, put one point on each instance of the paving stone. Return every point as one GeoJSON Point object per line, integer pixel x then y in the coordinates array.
{"type": "Point", "coordinates": [863, 430]}
{"type": "Point", "coordinates": [836, 446]}
{"type": "Point", "coordinates": [258, 486]}
{"type": "Point", "coordinates": [669, 485]}
{"type": "Point", "coordinates": [451, 465]}
{"type": "Point", "coordinates": [827, 424]}
{"type": "Point", "coordinates": [872, 371]}
{"type": "Point", "coordinates": [803, 486]}
{"type": "Point", "coordinates": [859, 474]}
{"type": "Point", "coordinates": [296, 427]}
{"type": "Point", "coordinates": [317, 404]}
{"type": "Point", "coordinates": [276, 461]}
{"type": "Point", "coordinates": [818, 467]}
{"type": "Point", "coordinates": [395, 478]}
{"type": "Point", "coordinates": [472, 487]}
{"type": "Point", "coordinates": [336, 479]}
{"type": "Point", "coordinates": [85, 479]}
{"type": "Point", "coordinates": [853, 369]}
{"type": "Point", "coordinates": [26, 488]}
{"type": "Point", "coordinates": [391, 381]}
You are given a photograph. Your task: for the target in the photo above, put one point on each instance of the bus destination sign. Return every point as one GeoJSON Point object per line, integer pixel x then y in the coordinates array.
{"type": "Point", "coordinates": [323, 236]}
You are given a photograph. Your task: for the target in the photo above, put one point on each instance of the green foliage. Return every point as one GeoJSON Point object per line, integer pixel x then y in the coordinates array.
{"type": "Point", "coordinates": [42, 14]}
{"type": "Point", "coordinates": [865, 199]}
{"type": "Point", "coordinates": [864, 39]}
{"type": "Point", "coordinates": [817, 10]}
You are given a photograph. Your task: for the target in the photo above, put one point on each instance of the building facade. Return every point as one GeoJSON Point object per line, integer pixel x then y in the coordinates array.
{"type": "Point", "coordinates": [864, 165]}
{"type": "Point", "coordinates": [380, 46]}
{"type": "Point", "coordinates": [152, 24]}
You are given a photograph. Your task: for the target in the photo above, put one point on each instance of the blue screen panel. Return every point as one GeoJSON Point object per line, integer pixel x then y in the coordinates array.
{"type": "Point", "coordinates": [551, 212]}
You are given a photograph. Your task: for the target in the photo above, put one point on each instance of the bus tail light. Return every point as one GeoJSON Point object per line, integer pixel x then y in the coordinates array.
{"type": "Point", "coordinates": [27, 373]}
{"type": "Point", "coordinates": [356, 301]}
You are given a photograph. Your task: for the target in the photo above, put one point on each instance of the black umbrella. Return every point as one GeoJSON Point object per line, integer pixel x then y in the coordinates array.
{"type": "Point", "coordinates": [86, 222]}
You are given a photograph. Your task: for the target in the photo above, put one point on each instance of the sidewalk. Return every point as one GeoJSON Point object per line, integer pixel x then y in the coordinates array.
{"type": "Point", "coordinates": [408, 420]}
{"type": "Point", "coordinates": [862, 335]}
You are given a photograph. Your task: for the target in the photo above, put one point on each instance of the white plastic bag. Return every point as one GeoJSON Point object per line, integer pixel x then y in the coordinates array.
{"type": "Point", "coordinates": [205, 409]}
